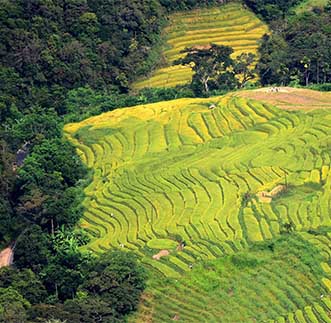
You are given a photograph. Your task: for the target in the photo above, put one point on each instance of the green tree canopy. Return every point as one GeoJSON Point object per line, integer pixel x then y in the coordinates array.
{"type": "Point", "coordinates": [32, 249]}
{"type": "Point", "coordinates": [13, 306]}
{"type": "Point", "coordinates": [117, 280]}
{"type": "Point", "coordinates": [208, 64]}
{"type": "Point", "coordinates": [25, 282]}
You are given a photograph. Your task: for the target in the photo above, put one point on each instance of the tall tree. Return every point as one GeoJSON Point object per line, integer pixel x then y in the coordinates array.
{"type": "Point", "coordinates": [207, 63]}
{"type": "Point", "coordinates": [274, 59]}
{"type": "Point", "coordinates": [244, 69]}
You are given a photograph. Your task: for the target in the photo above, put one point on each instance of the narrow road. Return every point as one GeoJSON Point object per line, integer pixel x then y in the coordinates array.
{"type": "Point", "coordinates": [6, 257]}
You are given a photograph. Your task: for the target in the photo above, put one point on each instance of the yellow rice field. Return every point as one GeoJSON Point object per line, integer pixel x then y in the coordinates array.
{"type": "Point", "coordinates": [181, 179]}
{"type": "Point", "coordinates": [231, 24]}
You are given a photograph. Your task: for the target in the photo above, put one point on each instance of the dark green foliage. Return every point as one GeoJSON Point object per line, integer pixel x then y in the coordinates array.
{"type": "Point", "coordinates": [215, 70]}
{"type": "Point", "coordinates": [267, 9]}
{"type": "Point", "coordinates": [118, 280]}
{"type": "Point", "coordinates": [50, 47]}
{"type": "Point", "coordinates": [209, 66]}
{"type": "Point", "coordinates": [272, 66]}
{"type": "Point", "coordinates": [64, 274]}
{"type": "Point", "coordinates": [52, 156]}
{"type": "Point", "coordinates": [33, 127]}
{"type": "Point", "coordinates": [67, 241]}
{"type": "Point", "coordinates": [46, 195]}
{"type": "Point", "coordinates": [32, 249]}
{"type": "Point", "coordinates": [10, 84]}
{"type": "Point", "coordinates": [324, 87]}
{"type": "Point", "coordinates": [110, 287]}
{"type": "Point", "coordinates": [87, 310]}
{"type": "Point", "coordinates": [243, 68]}
{"type": "Point", "coordinates": [93, 309]}
{"type": "Point", "coordinates": [271, 9]}
{"type": "Point", "coordinates": [13, 306]}
{"type": "Point", "coordinates": [42, 312]}
{"type": "Point", "coordinates": [163, 94]}
{"type": "Point", "coordinates": [67, 266]}
{"type": "Point", "coordinates": [25, 282]}
{"type": "Point", "coordinates": [298, 53]}
{"type": "Point", "coordinates": [175, 5]}
{"type": "Point", "coordinates": [58, 262]}
{"type": "Point", "coordinates": [8, 224]}
{"type": "Point", "coordinates": [6, 169]}
{"type": "Point", "coordinates": [127, 30]}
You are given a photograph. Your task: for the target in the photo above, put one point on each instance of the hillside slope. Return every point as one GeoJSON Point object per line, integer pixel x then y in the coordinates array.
{"type": "Point", "coordinates": [185, 180]}
{"type": "Point", "coordinates": [290, 98]}
{"type": "Point", "coordinates": [229, 24]}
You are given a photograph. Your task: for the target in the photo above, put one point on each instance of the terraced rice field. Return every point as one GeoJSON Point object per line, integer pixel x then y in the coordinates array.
{"type": "Point", "coordinates": [178, 171]}
{"type": "Point", "coordinates": [272, 283]}
{"type": "Point", "coordinates": [229, 24]}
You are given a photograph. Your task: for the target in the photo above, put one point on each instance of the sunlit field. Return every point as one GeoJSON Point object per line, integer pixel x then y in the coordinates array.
{"type": "Point", "coordinates": [193, 184]}
{"type": "Point", "coordinates": [230, 24]}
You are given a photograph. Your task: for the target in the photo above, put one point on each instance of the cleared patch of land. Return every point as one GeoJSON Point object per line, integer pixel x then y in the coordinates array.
{"type": "Point", "coordinates": [179, 177]}
{"type": "Point", "coordinates": [291, 98]}
{"type": "Point", "coordinates": [229, 24]}
{"type": "Point", "coordinates": [6, 257]}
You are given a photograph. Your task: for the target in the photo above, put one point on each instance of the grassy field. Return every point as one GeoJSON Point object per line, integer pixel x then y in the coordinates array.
{"type": "Point", "coordinates": [177, 171]}
{"type": "Point", "coordinates": [229, 24]}
{"type": "Point", "coordinates": [279, 281]}
{"type": "Point", "coordinates": [308, 5]}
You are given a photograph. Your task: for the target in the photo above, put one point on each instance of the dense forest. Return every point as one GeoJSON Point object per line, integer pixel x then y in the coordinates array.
{"type": "Point", "coordinates": [65, 60]}
{"type": "Point", "coordinates": [298, 51]}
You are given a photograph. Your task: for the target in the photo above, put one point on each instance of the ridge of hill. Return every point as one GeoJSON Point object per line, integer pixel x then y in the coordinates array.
{"type": "Point", "coordinates": [231, 24]}
{"type": "Point", "coordinates": [182, 178]}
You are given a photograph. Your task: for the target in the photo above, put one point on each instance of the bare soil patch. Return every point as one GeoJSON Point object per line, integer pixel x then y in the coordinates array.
{"type": "Point", "coordinates": [162, 253]}
{"type": "Point", "coordinates": [291, 98]}
{"type": "Point", "coordinates": [6, 257]}
{"type": "Point", "coordinates": [266, 197]}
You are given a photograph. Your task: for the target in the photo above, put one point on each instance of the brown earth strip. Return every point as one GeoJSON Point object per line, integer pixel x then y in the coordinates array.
{"type": "Point", "coordinates": [290, 98]}
{"type": "Point", "coordinates": [6, 257]}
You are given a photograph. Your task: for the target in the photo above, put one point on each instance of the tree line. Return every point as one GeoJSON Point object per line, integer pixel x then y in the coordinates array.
{"type": "Point", "coordinates": [298, 51]}
{"type": "Point", "coordinates": [215, 69]}
{"type": "Point", "coordinates": [48, 50]}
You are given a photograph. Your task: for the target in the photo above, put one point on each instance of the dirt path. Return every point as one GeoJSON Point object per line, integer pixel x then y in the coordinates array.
{"type": "Point", "coordinates": [291, 98]}
{"type": "Point", "coordinates": [6, 257]}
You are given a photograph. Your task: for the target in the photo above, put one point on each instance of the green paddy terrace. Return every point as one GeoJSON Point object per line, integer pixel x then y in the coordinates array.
{"type": "Point", "coordinates": [181, 178]}
{"type": "Point", "coordinates": [229, 24]}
